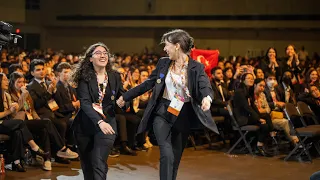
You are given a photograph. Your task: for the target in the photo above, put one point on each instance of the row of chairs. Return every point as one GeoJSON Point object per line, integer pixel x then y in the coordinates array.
{"type": "Point", "coordinates": [301, 112]}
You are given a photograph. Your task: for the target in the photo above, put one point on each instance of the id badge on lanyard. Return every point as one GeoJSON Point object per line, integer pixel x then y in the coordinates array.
{"type": "Point", "coordinates": [175, 106]}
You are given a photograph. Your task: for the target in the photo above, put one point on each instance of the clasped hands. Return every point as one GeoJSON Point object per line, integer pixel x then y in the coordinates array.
{"type": "Point", "coordinates": [205, 104]}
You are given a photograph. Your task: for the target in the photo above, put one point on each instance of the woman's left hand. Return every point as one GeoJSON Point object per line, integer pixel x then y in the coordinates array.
{"type": "Point", "coordinates": [205, 105]}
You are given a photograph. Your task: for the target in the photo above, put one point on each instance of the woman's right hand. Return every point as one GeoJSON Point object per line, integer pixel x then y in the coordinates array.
{"type": "Point", "coordinates": [14, 107]}
{"type": "Point", "coordinates": [106, 128]}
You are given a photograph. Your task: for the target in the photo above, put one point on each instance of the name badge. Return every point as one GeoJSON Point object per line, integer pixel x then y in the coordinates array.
{"type": "Point", "coordinates": [53, 105]}
{"type": "Point", "coordinates": [175, 106]}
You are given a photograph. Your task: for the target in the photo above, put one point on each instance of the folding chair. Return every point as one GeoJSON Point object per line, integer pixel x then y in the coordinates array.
{"type": "Point", "coordinates": [243, 130]}
{"type": "Point", "coordinates": [199, 129]}
{"type": "Point", "coordinates": [303, 132]}
{"type": "Point", "coordinates": [219, 120]}
{"type": "Point", "coordinates": [306, 113]}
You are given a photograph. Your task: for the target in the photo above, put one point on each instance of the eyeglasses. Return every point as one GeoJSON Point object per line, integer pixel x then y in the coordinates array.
{"type": "Point", "coordinates": [99, 53]}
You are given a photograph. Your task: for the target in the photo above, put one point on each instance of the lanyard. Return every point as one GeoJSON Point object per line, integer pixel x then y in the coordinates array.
{"type": "Point", "coordinates": [258, 102]}
{"type": "Point", "coordinates": [183, 80]}
{"type": "Point", "coordinates": [103, 90]}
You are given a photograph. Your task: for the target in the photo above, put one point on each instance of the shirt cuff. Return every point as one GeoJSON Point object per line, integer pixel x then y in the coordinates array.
{"type": "Point", "coordinates": [210, 99]}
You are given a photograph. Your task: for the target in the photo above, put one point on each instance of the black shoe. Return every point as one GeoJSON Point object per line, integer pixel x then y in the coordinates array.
{"type": "Point", "coordinates": [140, 148]}
{"type": "Point", "coordinates": [62, 160]}
{"type": "Point", "coordinates": [18, 167]}
{"type": "Point", "coordinates": [262, 152]}
{"type": "Point", "coordinates": [114, 153]}
{"type": "Point", "coordinates": [127, 151]}
{"type": "Point", "coordinates": [43, 154]}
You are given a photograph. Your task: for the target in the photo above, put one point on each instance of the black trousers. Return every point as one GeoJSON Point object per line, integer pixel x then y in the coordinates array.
{"type": "Point", "coordinates": [172, 134]}
{"type": "Point", "coordinates": [265, 129]}
{"type": "Point", "coordinates": [94, 151]}
{"type": "Point", "coordinates": [61, 124]}
{"type": "Point", "coordinates": [46, 133]}
{"type": "Point", "coordinates": [19, 136]}
{"type": "Point", "coordinates": [127, 125]}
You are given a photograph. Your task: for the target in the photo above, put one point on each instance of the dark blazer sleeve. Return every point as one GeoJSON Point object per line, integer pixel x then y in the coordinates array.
{"type": "Point", "coordinates": [86, 102]}
{"type": "Point", "coordinates": [145, 86]}
{"type": "Point", "coordinates": [204, 83]}
{"type": "Point", "coordinates": [242, 103]}
{"type": "Point", "coordinates": [40, 100]}
{"type": "Point", "coordinates": [65, 105]}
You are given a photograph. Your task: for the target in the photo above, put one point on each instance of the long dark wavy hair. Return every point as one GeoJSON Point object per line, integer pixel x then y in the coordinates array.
{"type": "Point", "coordinates": [84, 69]}
{"type": "Point", "coordinates": [13, 78]}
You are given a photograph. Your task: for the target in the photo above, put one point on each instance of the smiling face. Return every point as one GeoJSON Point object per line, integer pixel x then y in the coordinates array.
{"type": "Point", "coordinates": [38, 72]}
{"type": "Point", "coordinates": [99, 57]}
{"type": "Point", "coordinates": [4, 83]}
{"type": "Point", "coordinates": [259, 88]}
{"type": "Point", "coordinates": [271, 53]}
{"type": "Point", "coordinates": [249, 80]}
{"type": "Point", "coordinates": [314, 76]}
{"type": "Point", "coordinates": [290, 51]}
{"type": "Point", "coordinates": [171, 50]}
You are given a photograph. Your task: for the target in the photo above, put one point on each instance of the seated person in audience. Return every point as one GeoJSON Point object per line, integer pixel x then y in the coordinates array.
{"type": "Point", "coordinates": [139, 105]}
{"type": "Point", "coordinates": [42, 93]}
{"type": "Point", "coordinates": [312, 98]}
{"type": "Point", "coordinates": [286, 90]}
{"type": "Point", "coordinates": [228, 78]}
{"type": "Point", "coordinates": [16, 129]}
{"type": "Point", "coordinates": [221, 93]}
{"type": "Point", "coordinates": [273, 93]}
{"type": "Point", "coordinates": [259, 73]}
{"type": "Point", "coordinates": [247, 113]}
{"type": "Point", "coordinates": [15, 68]}
{"type": "Point", "coordinates": [66, 98]}
{"type": "Point", "coordinates": [221, 97]}
{"type": "Point", "coordinates": [312, 78]}
{"type": "Point", "coordinates": [261, 103]}
{"type": "Point", "coordinates": [244, 68]}
{"type": "Point", "coordinates": [43, 128]}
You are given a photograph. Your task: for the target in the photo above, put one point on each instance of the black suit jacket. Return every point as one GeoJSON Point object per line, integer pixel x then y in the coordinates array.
{"type": "Point", "coordinates": [86, 120]}
{"type": "Point", "coordinates": [269, 97]}
{"type": "Point", "coordinates": [217, 101]}
{"type": "Point", "coordinates": [198, 84]}
{"type": "Point", "coordinates": [292, 98]}
{"type": "Point", "coordinates": [40, 97]}
{"type": "Point", "coordinates": [242, 109]}
{"type": "Point", "coordinates": [63, 99]}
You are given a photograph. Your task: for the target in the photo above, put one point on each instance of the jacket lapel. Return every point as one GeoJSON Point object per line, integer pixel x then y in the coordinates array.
{"type": "Point", "coordinates": [112, 84]}
{"type": "Point", "coordinates": [190, 72]}
{"type": "Point", "coordinates": [93, 83]}
{"type": "Point", "coordinates": [161, 77]}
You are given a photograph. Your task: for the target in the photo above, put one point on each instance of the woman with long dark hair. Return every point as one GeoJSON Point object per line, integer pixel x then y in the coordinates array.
{"type": "Point", "coordinates": [181, 95]}
{"type": "Point", "coordinates": [247, 113]}
{"type": "Point", "coordinates": [15, 128]}
{"type": "Point", "coordinates": [95, 125]}
{"type": "Point", "coordinates": [42, 128]}
{"type": "Point", "coordinates": [291, 63]}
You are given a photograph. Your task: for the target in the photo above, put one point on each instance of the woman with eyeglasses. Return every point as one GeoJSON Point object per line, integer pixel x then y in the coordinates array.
{"type": "Point", "coordinates": [98, 86]}
{"type": "Point", "coordinates": [247, 113]}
